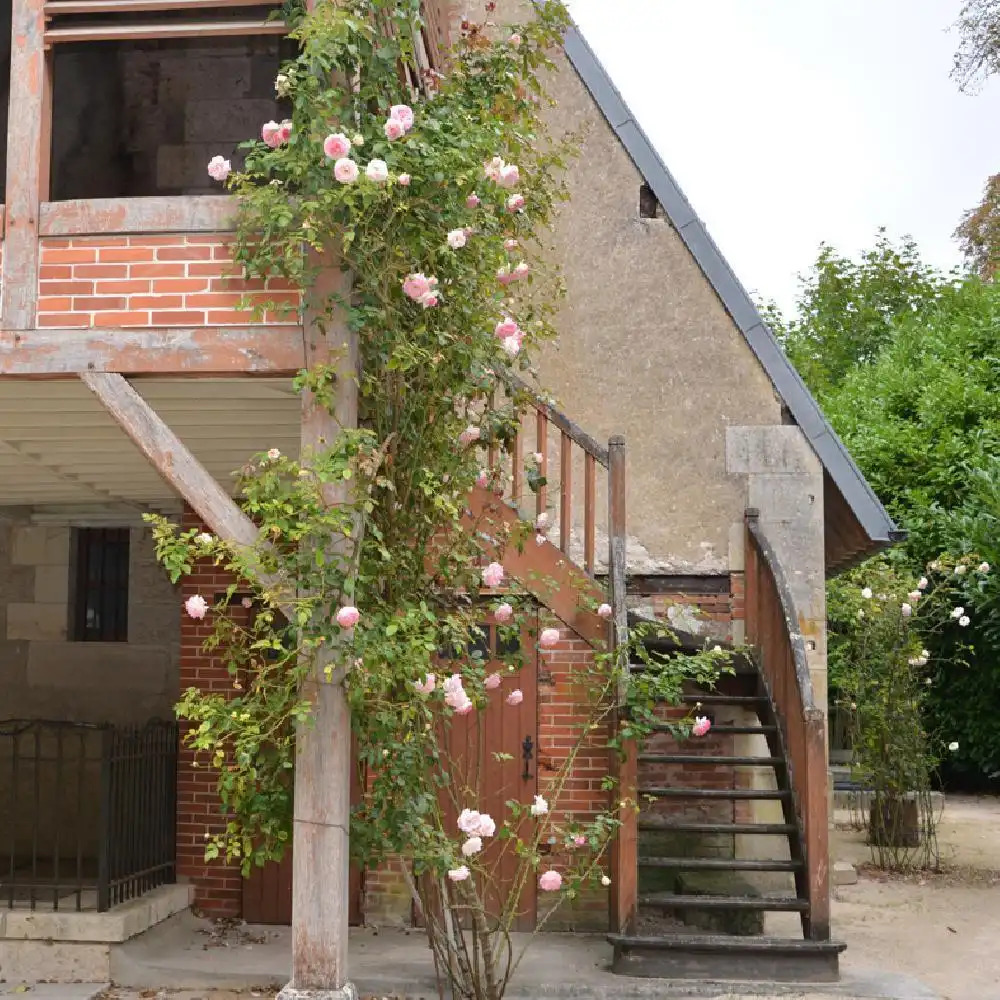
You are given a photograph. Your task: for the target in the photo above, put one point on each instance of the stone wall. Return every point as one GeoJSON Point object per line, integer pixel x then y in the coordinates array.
{"type": "Point", "coordinates": [144, 118]}
{"type": "Point", "coordinates": [45, 675]}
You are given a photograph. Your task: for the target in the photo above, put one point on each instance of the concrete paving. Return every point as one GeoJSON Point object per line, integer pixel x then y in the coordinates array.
{"type": "Point", "coordinates": [51, 991]}
{"type": "Point", "coordinates": [185, 953]}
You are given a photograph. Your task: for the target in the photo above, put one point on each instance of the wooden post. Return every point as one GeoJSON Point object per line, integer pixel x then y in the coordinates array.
{"type": "Point", "coordinates": [28, 156]}
{"type": "Point", "coordinates": [320, 847]}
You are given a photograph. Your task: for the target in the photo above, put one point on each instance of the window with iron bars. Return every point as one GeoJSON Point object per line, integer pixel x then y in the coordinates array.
{"type": "Point", "coordinates": [100, 591]}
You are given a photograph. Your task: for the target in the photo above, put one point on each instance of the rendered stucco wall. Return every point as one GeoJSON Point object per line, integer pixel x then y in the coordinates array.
{"type": "Point", "coordinates": [45, 676]}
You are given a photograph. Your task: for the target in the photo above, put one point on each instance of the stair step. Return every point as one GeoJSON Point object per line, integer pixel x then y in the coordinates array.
{"type": "Point", "coordinates": [724, 699]}
{"type": "Point", "coordinates": [668, 900]}
{"type": "Point", "coordinates": [716, 793]}
{"type": "Point", "coordinates": [766, 829]}
{"type": "Point", "coordinates": [721, 864]}
{"type": "Point", "coordinates": [727, 957]}
{"type": "Point", "coordinates": [663, 727]}
{"type": "Point", "coordinates": [686, 758]}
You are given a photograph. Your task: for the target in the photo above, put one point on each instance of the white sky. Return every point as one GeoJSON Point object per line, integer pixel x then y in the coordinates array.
{"type": "Point", "coordinates": [793, 122]}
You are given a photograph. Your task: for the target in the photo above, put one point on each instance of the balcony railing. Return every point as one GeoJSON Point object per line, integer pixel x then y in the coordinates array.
{"type": "Point", "coordinates": [87, 813]}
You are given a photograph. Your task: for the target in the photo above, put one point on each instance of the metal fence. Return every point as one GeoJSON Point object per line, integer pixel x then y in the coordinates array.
{"type": "Point", "coordinates": [87, 812]}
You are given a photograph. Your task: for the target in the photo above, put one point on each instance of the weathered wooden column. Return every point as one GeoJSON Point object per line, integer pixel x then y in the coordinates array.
{"type": "Point", "coordinates": [320, 853]}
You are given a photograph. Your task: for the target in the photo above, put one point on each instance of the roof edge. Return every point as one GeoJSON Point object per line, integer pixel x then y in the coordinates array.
{"type": "Point", "coordinates": [787, 382]}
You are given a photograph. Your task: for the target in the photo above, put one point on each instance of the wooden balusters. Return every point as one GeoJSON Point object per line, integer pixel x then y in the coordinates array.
{"type": "Point", "coordinates": [565, 490]}
{"type": "Point", "coordinates": [542, 448]}
{"type": "Point", "coordinates": [589, 510]}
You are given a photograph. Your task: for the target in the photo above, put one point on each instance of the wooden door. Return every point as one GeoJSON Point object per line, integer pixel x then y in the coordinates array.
{"type": "Point", "coordinates": [474, 741]}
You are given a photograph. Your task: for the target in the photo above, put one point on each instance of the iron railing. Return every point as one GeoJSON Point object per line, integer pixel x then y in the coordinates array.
{"type": "Point", "coordinates": [87, 812]}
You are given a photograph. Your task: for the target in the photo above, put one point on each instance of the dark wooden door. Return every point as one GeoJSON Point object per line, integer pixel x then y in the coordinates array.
{"type": "Point", "coordinates": [488, 783]}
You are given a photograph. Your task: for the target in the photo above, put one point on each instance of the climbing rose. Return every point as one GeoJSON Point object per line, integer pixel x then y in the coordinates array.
{"type": "Point", "coordinates": [470, 434]}
{"type": "Point", "coordinates": [984, 567]}
{"type": "Point", "coordinates": [219, 168]}
{"type": "Point", "coordinates": [953, 746]}
{"type": "Point", "coordinates": [425, 686]}
{"type": "Point", "coordinates": [493, 575]}
{"type": "Point", "coordinates": [504, 613]}
{"type": "Point", "coordinates": [511, 345]}
{"type": "Point", "coordinates": [345, 170]}
{"type": "Point", "coordinates": [580, 840]}
{"type": "Point", "coordinates": [515, 203]}
{"type": "Point", "coordinates": [922, 583]}
{"type": "Point", "coordinates": [914, 596]}
{"type": "Point", "coordinates": [866, 593]}
{"type": "Point", "coordinates": [604, 610]}
{"type": "Point", "coordinates": [483, 478]}
{"type": "Point", "coordinates": [273, 454]}
{"type": "Point", "coordinates": [509, 176]}
{"type": "Point", "coordinates": [421, 289]}
{"type": "Point", "coordinates": [492, 681]}
{"type": "Point", "coordinates": [492, 168]}
{"type": "Point", "coordinates": [957, 612]}
{"type": "Point", "coordinates": [204, 538]}
{"type": "Point", "coordinates": [357, 140]}
{"type": "Point", "coordinates": [457, 239]}
{"type": "Point", "coordinates": [286, 130]}
{"type": "Point", "coordinates": [196, 606]}
{"type": "Point", "coordinates": [964, 620]}
{"type": "Point", "coordinates": [271, 134]}
{"type": "Point", "coordinates": [348, 617]}
{"type": "Point", "coordinates": [247, 602]}
{"type": "Point", "coordinates": [336, 145]}
{"type": "Point", "coordinates": [906, 609]}
{"type": "Point", "coordinates": [282, 85]}
{"type": "Point", "coordinates": [486, 826]}
{"type": "Point", "coordinates": [538, 458]}
{"type": "Point", "coordinates": [402, 113]}
{"type": "Point", "coordinates": [472, 201]}
{"type": "Point", "coordinates": [394, 129]}
{"type": "Point", "coordinates": [605, 881]}
{"type": "Point", "coordinates": [515, 40]}
{"type": "Point", "coordinates": [459, 874]}
{"type": "Point", "coordinates": [377, 171]}
{"type": "Point", "coordinates": [539, 807]}
{"type": "Point", "coordinates": [701, 726]}
{"type": "Point", "coordinates": [542, 521]}
{"type": "Point", "coordinates": [522, 270]}
{"type": "Point", "coordinates": [515, 697]}
{"type": "Point", "coordinates": [475, 824]}
{"type": "Point", "coordinates": [549, 638]}
{"type": "Point", "coordinates": [452, 683]}
{"type": "Point", "coordinates": [403, 180]}
{"type": "Point", "coordinates": [472, 846]}
{"type": "Point", "coordinates": [550, 881]}
{"type": "Point", "coordinates": [510, 244]}
{"type": "Point", "coordinates": [960, 570]}
{"type": "Point", "coordinates": [540, 539]}
{"type": "Point", "coordinates": [506, 328]}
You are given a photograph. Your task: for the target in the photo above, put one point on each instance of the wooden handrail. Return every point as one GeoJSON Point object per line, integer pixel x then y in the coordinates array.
{"type": "Point", "coordinates": [773, 628]}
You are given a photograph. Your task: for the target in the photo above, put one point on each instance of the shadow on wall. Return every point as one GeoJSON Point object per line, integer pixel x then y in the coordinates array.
{"type": "Point", "coordinates": [5, 35]}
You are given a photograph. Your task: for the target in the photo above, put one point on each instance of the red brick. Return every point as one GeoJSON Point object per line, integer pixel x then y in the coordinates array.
{"type": "Point", "coordinates": [178, 318]}
{"type": "Point", "coordinates": [125, 318]}
{"type": "Point", "coordinates": [94, 303]}
{"type": "Point", "coordinates": [60, 255]}
{"type": "Point", "coordinates": [128, 254]}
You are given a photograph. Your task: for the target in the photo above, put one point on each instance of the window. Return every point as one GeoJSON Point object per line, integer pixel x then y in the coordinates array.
{"type": "Point", "coordinates": [100, 579]}
{"type": "Point", "coordinates": [649, 204]}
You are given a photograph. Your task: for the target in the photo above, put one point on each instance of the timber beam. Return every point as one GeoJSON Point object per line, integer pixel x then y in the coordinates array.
{"type": "Point", "coordinates": [204, 351]}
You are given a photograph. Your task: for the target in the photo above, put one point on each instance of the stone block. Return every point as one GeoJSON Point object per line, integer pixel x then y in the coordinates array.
{"type": "Point", "coordinates": [182, 168]}
{"type": "Point", "coordinates": [778, 450]}
{"type": "Point", "coordinates": [52, 585]}
{"type": "Point", "coordinates": [189, 75]}
{"type": "Point", "coordinates": [844, 873]}
{"type": "Point", "coordinates": [28, 546]}
{"type": "Point", "coordinates": [117, 670]}
{"type": "Point", "coordinates": [216, 120]}
{"type": "Point", "coordinates": [53, 961]}
{"type": "Point", "coordinates": [37, 622]}
{"type": "Point", "coordinates": [17, 583]}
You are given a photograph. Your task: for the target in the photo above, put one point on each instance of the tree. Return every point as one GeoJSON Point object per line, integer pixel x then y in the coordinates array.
{"type": "Point", "coordinates": [847, 310]}
{"type": "Point", "coordinates": [979, 232]}
{"type": "Point", "coordinates": [978, 55]}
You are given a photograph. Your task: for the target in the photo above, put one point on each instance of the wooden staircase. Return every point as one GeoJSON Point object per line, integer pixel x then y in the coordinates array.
{"type": "Point", "coordinates": [730, 842]}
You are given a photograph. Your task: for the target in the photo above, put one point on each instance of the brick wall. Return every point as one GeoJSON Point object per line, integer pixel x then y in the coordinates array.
{"type": "Point", "coordinates": [172, 280]}
{"type": "Point", "coordinates": [218, 886]}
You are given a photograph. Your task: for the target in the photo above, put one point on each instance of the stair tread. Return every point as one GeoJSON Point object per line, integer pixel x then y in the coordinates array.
{"type": "Point", "coordinates": [715, 793]}
{"type": "Point", "coordinates": [721, 864]}
{"type": "Point", "coordinates": [663, 727]}
{"type": "Point", "coordinates": [669, 899]}
{"type": "Point", "coordinates": [761, 828]}
{"type": "Point", "coordinates": [724, 699]}
{"type": "Point", "coordinates": [725, 942]}
{"type": "Point", "coordinates": [692, 758]}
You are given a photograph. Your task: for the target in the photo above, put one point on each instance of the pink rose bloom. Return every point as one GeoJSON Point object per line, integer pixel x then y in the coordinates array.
{"type": "Point", "coordinates": [468, 822]}
{"type": "Point", "coordinates": [336, 146]}
{"type": "Point", "coordinates": [580, 840]}
{"type": "Point", "coordinates": [472, 201]}
{"type": "Point", "coordinates": [285, 132]}
{"type": "Point", "coordinates": [247, 602]}
{"type": "Point", "coordinates": [492, 168]}
{"type": "Point", "coordinates": [470, 434]}
{"type": "Point", "coordinates": [486, 827]}
{"type": "Point", "coordinates": [273, 454]}
{"type": "Point", "coordinates": [402, 113]}
{"type": "Point", "coordinates": [457, 239]}
{"type": "Point", "coordinates": [522, 270]}
{"type": "Point", "coordinates": [451, 684]}
{"type": "Point", "coordinates": [509, 176]}
{"type": "Point", "coordinates": [540, 539]}
{"type": "Point", "coordinates": [515, 203]}
{"type": "Point", "coordinates": [271, 134]}
{"type": "Point", "coordinates": [416, 286]}
{"type": "Point", "coordinates": [219, 168]}
{"type": "Point", "coordinates": [196, 606]}
{"type": "Point", "coordinates": [515, 40]}
{"type": "Point", "coordinates": [701, 726]}
{"type": "Point", "coordinates": [504, 613]}
{"type": "Point", "coordinates": [403, 180]}
{"type": "Point", "coordinates": [459, 874]}
{"type": "Point", "coordinates": [542, 521]}
{"type": "Point", "coordinates": [483, 478]}
{"type": "Point", "coordinates": [348, 617]}
{"type": "Point", "coordinates": [506, 328]}
{"type": "Point", "coordinates": [377, 171]}
{"type": "Point", "coordinates": [538, 457]}
{"type": "Point", "coordinates": [345, 170]}
{"type": "Point", "coordinates": [463, 705]}
{"type": "Point", "coordinates": [515, 697]}
{"type": "Point", "coordinates": [472, 846]}
{"type": "Point", "coordinates": [510, 245]}
{"type": "Point", "coordinates": [493, 575]}
{"type": "Point", "coordinates": [539, 807]}
{"type": "Point", "coordinates": [493, 681]}
{"type": "Point", "coordinates": [549, 638]}
{"type": "Point", "coordinates": [511, 345]}
{"type": "Point", "coordinates": [394, 129]}
{"type": "Point", "coordinates": [426, 685]}
{"type": "Point", "coordinates": [504, 276]}
{"type": "Point", "coordinates": [550, 881]}
{"type": "Point", "coordinates": [604, 610]}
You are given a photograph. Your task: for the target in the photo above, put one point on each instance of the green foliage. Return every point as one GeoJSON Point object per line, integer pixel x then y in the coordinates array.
{"type": "Point", "coordinates": [847, 310]}
{"type": "Point", "coordinates": [978, 56]}
{"type": "Point", "coordinates": [979, 232]}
